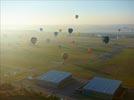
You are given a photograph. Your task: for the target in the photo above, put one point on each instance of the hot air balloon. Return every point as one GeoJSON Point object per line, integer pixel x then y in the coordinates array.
{"type": "Point", "coordinates": [105, 39]}
{"type": "Point", "coordinates": [65, 56]}
{"type": "Point", "coordinates": [76, 16]}
{"type": "Point", "coordinates": [47, 40]}
{"type": "Point", "coordinates": [60, 30]}
{"type": "Point", "coordinates": [70, 30]}
{"type": "Point", "coordinates": [41, 29]}
{"type": "Point", "coordinates": [55, 33]}
{"type": "Point", "coordinates": [118, 33]}
{"type": "Point", "coordinates": [119, 30]}
{"type": "Point", "coordinates": [60, 46]}
{"type": "Point", "coordinates": [73, 42]}
{"type": "Point", "coordinates": [33, 40]}
{"type": "Point", "coordinates": [89, 50]}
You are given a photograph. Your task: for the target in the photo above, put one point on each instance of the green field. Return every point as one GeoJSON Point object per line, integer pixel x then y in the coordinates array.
{"type": "Point", "coordinates": [20, 59]}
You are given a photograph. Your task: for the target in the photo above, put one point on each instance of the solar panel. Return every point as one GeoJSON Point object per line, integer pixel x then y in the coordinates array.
{"type": "Point", "coordinates": [103, 85]}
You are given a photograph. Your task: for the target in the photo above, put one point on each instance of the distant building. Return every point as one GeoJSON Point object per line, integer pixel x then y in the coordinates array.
{"type": "Point", "coordinates": [55, 78]}
{"type": "Point", "coordinates": [102, 88]}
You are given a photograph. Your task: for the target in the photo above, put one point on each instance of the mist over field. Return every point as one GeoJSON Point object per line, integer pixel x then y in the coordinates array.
{"type": "Point", "coordinates": [77, 28]}
{"type": "Point", "coordinates": [66, 50]}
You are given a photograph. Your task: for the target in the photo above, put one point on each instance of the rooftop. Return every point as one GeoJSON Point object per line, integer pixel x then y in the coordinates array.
{"type": "Point", "coordinates": [103, 85]}
{"type": "Point", "coordinates": [54, 76]}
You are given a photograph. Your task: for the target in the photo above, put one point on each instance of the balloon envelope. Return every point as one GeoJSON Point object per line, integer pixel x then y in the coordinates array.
{"type": "Point", "coordinates": [33, 40]}
{"type": "Point", "coordinates": [65, 56]}
{"type": "Point", "coordinates": [55, 33]}
{"type": "Point", "coordinates": [106, 39]}
{"type": "Point", "coordinates": [73, 42]}
{"type": "Point", "coordinates": [119, 30]}
{"type": "Point", "coordinates": [70, 30]}
{"type": "Point", "coordinates": [76, 16]}
{"type": "Point", "coordinates": [60, 30]}
{"type": "Point", "coordinates": [89, 50]}
{"type": "Point", "coordinates": [47, 40]}
{"type": "Point", "coordinates": [41, 29]}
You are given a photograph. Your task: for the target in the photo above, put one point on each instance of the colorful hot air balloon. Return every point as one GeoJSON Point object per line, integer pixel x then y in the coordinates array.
{"type": "Point", "coordinates": [89, 50]}
{"type": "Point", "coordinates": [33, 40]}
{"type": "Point", "coordinates": [65, 57]}
{"type": "Point", "coordinates": [73, 42]}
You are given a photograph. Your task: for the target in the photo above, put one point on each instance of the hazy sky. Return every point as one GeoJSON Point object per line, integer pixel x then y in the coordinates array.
{"type": "Point", "coordinates": [62, 12]}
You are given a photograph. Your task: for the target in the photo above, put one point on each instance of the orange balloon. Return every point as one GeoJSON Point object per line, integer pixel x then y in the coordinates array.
{"type": "Point", "coordinates": [73, 42]}
{"type": "Point", "coordinates": [89, 50]}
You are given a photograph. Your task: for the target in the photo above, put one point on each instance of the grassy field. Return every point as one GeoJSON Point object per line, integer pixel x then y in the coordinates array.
{"type": "Point", "coordinates": [20, 59]}
{"type": "Point", "coordinates": [121, 67]}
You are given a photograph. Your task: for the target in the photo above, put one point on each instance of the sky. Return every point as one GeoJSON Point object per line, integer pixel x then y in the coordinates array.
{"type": "Point", "coordinates": [62, 12]}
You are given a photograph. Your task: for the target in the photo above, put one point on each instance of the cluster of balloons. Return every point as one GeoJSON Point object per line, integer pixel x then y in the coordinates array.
{"type": "Point", "coordinates": [70, 31]}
